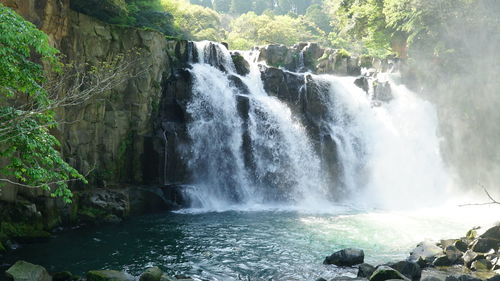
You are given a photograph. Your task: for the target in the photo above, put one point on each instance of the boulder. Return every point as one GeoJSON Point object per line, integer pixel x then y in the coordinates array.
{"type": "Point", "coordinates": [365, 270]}
{"type": "Point", "coordinates": [471, 256]}
{"type": "Point", "coordinates": [453, 254]}
{"type": "Point", "coordinates": [461, 245]}
{"type": "Point", "coordinates": [425, 250]}
{"type": "Point", "coordinates": [346, 257]}
{"type": "Point", "coordinates": [25, 271]}
{"type": "Point", "coordinates": [481, 265]}
{"type": "Point", "coordinates": [492, 233]}
{"type": "Point", "coordinates": [383, 273]}
{"type": "Point", "coordinates": [484, 245]}
{"type": "Point", "coordinates": [442, 260]}
{"type": "Point", "coordinates": [151, 274]}
{"type": "Point", "coordinates": [409, 269]}
{"type": "Point", "coordinates": [108, 275]}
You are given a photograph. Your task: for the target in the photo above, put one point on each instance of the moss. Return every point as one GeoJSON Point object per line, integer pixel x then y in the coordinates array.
{"type": "Point", "coordinates": [91, 214]}
{"type": "Point", "coordinates": [23, 231]}
{"type": "Point", "coordinates": [2, 248]}
{"type": "Point", "coordinates": [344, 53]}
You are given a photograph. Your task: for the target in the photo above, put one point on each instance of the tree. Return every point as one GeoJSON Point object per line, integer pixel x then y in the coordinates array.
{"type": "Point", "coordinates": [27, 149]}
{"type": "Point", "coordinates": [30, 94]}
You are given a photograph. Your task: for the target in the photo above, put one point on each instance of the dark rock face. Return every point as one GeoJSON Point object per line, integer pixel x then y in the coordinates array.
{"type": "Point", "coordinates": [108, 201]}
{"type": "Point", "coordinates": [241, 65]}
{"type": "Point", "coordinates": [383, 92]}
{"type": "Point", "coordinates": [408, 269]}
{"type": "Point", "coordinates": [24, 271]}
{"type": "Point", "coordinates": [363, 83]}
{"type": "Point", "coordinates": [383, 273]}
{"type": "Point", "coordinates": [346, 257]}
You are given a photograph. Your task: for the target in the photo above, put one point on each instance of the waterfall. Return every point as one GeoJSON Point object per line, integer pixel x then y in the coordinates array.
{"type": "Point", "coordinates": [250, 148]}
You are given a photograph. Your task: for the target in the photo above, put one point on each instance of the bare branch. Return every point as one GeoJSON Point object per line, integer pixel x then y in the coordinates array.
{"type": "Point", "coordinates": [493, 201]}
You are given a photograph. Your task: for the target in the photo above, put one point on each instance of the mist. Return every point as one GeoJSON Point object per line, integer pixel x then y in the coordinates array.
{"type": "Point", "coordinates": [462, 80]}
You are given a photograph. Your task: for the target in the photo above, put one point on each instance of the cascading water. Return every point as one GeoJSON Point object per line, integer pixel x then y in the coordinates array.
{"type": "Point", "coordinates": [250, 149]}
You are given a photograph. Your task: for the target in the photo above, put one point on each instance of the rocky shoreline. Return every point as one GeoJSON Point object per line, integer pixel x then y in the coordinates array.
{"type": "Point", "coordinates": [470, 258]}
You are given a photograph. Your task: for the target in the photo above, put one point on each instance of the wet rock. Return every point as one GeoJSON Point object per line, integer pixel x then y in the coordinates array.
{"type": "Point", "coordinates": [365, 270]}
{"type": "Point", "coordinates": [425, 250]}
{"type": "Point", "coordinates": [453, 254]}
{"type": "Point", "coordinates": [442, 260]}
{"type": "Point", "coordinates": [492, 233]}
{"type": "Point", "coordinates": [321, 279]}
{"type": "Point", "coordinates": [462, 278]}
{"type": "Point", "coordinates": [346, 257]}
{"type": "Point", "coordinates": [481, 265]}
{"type": "Point", "coordinates": [25, 271]}
{"type": "Point", "coordinates": [98, 203]}
{"type": "Point", "coordinates": [461, 245]}
{"type": "Point", "coordinates": [276, 55]}
{"type": "Point", "coordinates": [383, 273]}
{"type": "Point", "coordinates": [447, 242]}
{"type": "Point", "coordinates": [64, 276]}
{"type": "Point", "coordinates": [409, 269]}
{"type": "Point", "coordinates": [431, 278]}
{"type": "Point", "coordinates": [363, 83]}
{"type": "Point", "coordinates": [471, 256]}
{"type": "Point", "coordinates": [494, 278]}
{"type": "Point", "coordinates": [108, 275]}
{"type": "Point", "coordinates": [382, 91]}
{"type": "Point", "coordinates": [241, 65]}
{"type": "Point", "coordinates": [484, 245]}
{"type": "Point", "coordinates": [151, 274]}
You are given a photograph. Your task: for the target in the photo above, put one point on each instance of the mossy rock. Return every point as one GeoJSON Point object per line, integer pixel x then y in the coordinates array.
{"type": "Point", "coordinates": [151, 274]}
{"type": "Point", "coordinates": [107, 275]}
{"type": "Point", "coordinates": [23, 271]}
{"type": "Point", "coordinates": [89, 214]}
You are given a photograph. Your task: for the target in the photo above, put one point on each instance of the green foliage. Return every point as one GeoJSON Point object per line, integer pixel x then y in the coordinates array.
{"type": "Point", "coordinates": [27, 149]}
{"type": "Point", "coordinates": [251, 29]}
{"type": "Point", "coordinates": [22, 231]}
{"type": "Point", "coordinates": [139, 13]}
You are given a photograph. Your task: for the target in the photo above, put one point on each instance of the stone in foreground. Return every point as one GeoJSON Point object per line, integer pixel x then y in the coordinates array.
{"type": "Point", "coordinates": [383, 273]}
{"type": "Point", "coordinates": [346, 257]}
{"type": "Point", "coordinates": [25, 271]}
{"type": "Point", "coordinates": [408, 269]}
{"type": "Point", "coordinates": [151, 274]}
{"type": "Point", "coordinates": [107, 275]}
{"type": "Point", "coordinates": [365, 270]}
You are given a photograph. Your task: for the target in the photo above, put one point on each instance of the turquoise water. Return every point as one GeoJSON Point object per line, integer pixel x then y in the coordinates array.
{"type": "Point", "coordinates": [242, 245]}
